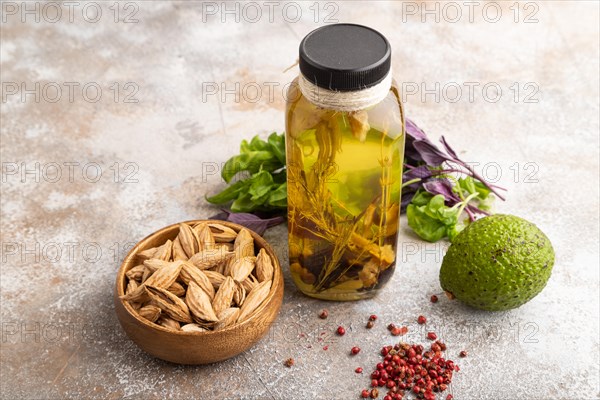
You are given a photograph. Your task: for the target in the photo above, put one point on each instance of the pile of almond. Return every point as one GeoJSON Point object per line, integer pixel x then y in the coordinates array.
{"type": "Point", "coordinates": [208, 278]}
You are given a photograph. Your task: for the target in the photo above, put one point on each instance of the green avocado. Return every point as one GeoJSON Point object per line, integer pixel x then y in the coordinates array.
{"type": "Point", "coordinates": [497, 263]}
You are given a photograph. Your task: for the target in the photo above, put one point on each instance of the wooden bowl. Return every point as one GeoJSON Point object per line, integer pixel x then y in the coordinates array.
{"type": "Point", "coordinates": [196, 347]}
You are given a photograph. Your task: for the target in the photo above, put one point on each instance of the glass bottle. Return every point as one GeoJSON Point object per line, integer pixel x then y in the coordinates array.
{"type": "Point", "coordinates": [344, 146]}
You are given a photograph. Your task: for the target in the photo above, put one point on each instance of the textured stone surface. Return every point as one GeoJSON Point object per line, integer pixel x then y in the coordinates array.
{"type": "Point", "coordinates": [60, 337]}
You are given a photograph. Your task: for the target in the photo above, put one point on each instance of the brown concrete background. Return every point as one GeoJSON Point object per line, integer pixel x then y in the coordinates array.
{"type": "Point", "coordinates": [64, 236]}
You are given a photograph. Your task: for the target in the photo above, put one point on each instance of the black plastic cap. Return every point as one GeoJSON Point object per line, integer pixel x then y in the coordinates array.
{"type": "Point", "coordinates": [345, 57]}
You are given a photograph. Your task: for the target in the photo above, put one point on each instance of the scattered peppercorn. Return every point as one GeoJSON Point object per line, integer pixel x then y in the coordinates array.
{"type": "Point", "coordinates": [463, 354]}
{"type": "Point", "coordinates": [374, 393]}
{"type": "Point", "coordinates": [370, 324]}
{"type": "Point", "coordinates": [373, 317]}
{"type": "Point", "coordinates": [421, 320]}
{"type": "Point", "coordinates": [431, 336]}
{"type": "Point", "coordinates": [364, 394]}
{"type": "Point", "coordinates": [355, 350]}
{"type": "Point", "coordinates": [323, 314]}
{"type": "Point", "coordinates": [358, 370]}
{"type": "Point", "coordinates": [391, 326]}
{"type": "Point", "coordinates": [434, 298]}
{"type": "Point", "coordinates": [341, 331]}
{"type": "Point", "coordinates": [399, 331]}
{"type": "Point", "coordinates": [289, 362]}
{"type": "Point", "coordinates": [449, 397]}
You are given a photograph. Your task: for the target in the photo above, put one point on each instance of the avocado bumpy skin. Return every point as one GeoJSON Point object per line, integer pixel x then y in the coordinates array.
{"type": "Point", "coordinates": [497, 263]}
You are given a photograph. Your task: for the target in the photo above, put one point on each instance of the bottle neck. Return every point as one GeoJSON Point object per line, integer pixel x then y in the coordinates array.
{"type": "Point", "coordinates": [345, 101]}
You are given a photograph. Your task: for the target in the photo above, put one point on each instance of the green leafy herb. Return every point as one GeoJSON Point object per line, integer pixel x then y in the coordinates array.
{"type": "Point", "coordinates": [263, 186]}
{"type": "Point", "coordinates": [433, 219]}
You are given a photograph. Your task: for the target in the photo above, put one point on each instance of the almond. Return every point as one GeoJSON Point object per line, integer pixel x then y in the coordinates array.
{"type": "Point", "coordinates": [199, 303]}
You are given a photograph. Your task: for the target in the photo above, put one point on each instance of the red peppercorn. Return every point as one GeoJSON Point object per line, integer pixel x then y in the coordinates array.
{"type": "Point", "coordinates": [434, 298]}
{"type": "Point", "coordinates": [323, 314]}
{"type": "Point", "coordinates": [387, 397]}
{"type": "Point", "coordinates": [391, 326]}
{"type": "Point", "coordinates": [380, 366]}
{"type": "Point", "coordinates": [373, 382]}
{"type": "Point", "coordinates": [355, 350]}
{"type": "Point", "coordinates": [341, 331]}
{"type": "Point", "coordinates": [463, 354]}
{"type": "Point", "coordinates": [396, 331]}
{"type": "Point", "coordinates": [358, 370]}
{"type": "Point", "coordinates": [421, 320]}
{"type": "Point", "coordinates": [431, 335]}
{"type": "Point", "coordinates": [416, 389]}
{"type": "Point", "coordinates": [373, 317]}
{"type": "Point", "coordinates": [390, 384]}
{"type": "Point", "coordinates": [370, 324]}
{"type": "Point", "coordinates": [364, 394]}
{"type": "Point", "coordinates": [289, 362]}
{"type": "Point", "coordinates": [449, 397]}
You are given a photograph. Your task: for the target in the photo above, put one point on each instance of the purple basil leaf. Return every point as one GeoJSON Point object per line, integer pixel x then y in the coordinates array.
{"type": "Point", "coordinates": [448, 148]}
{"type": "Point", "coordinates": [420, 172]}
{"type": "Point", "coordinates": [430, 153]}
{"type": "Point", "coordinates": [222, 216]}
{"type": "Point", "coordinates": [250, 221]}
{"type": "Point", "coordinates": [414, 131]}
{"type": "Point", "coordinates": [443, 187]}
{"type": "Point", "coordinates": [411, 155]}
{"type": "Point", "coordinates": [413, 134]}
{"type": "Point", "coordinates": [406, 199]}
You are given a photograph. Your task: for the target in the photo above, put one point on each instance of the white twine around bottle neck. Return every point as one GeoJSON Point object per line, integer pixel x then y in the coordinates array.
{"type": "Point", "coordinates": [345, 101]}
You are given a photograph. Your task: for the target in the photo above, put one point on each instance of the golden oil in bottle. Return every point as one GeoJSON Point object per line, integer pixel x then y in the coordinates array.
{"type": "Point", "coordinates": [344, 146]}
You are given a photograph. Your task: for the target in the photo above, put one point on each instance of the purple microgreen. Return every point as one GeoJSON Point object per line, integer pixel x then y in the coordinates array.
{"type": "Point", "coordinates": [448, 148]}
{"type": "Point", "coordinates": [443, 187]}
{"type": "Point", "coordinates": [250, 221]}
{"type": "Point", "coordinates": [430, 153]}
{"type": "Point", "coordinates": [414, 131]}
{"type": "Point", "coordinates": [421, 172]}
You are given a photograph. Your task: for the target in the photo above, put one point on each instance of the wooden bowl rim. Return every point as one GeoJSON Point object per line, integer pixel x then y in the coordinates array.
{"type": "Point", "coordinates": [120, 281]}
